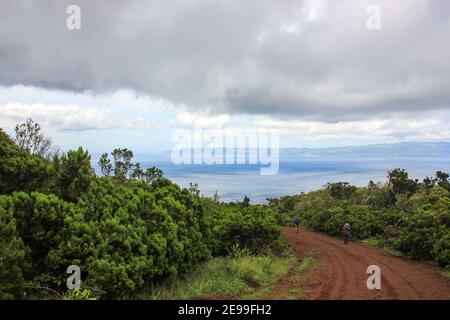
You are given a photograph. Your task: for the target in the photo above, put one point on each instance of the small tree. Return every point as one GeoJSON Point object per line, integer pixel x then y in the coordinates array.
{"type": "Point", "coordinates": [400, 184]}
{"type": "Point", "coordinates": [246, 202]}
{"type": "Point", "coordinates": [105, 165]}
{"type": "Point", "coordinates": [442, 180]}
{"type": "Point", "coordinates": [428, 183]}
{"type": "Point", "coordinates": [30, 137]}
{"type": "Point", "coordinates": [74, 174]}
{"type": "Point", "coordinates": [153, 173]}
{"type": "Point", "coordinates": [122, 163]}
{"type": "Point", "coordinates": [137, 173]}
{"type": "Point", "coordinates": [193, 189]}
{"type": "Point", "coordinates": [341, 190]}
{"type": "Point", "coordinates": [371, 188]}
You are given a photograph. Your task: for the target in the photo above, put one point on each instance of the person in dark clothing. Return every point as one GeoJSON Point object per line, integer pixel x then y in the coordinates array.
{"type": "Point", "coordinates": [346, 231]}
{"type": "Point", "coordinates": [296, 223]}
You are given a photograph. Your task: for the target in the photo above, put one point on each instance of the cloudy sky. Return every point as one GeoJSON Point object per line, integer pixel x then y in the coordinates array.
{"type": "Point", "coordinates": [138, 69]}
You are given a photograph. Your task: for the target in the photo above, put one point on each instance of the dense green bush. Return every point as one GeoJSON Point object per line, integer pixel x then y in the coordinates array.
{"type": "Point", "coordinates": [441, 248]}
{"type": "Point", "coordinates": [40, 219]}
{"type": "Point", "coordinates": [73, 174]}
{"type": "Point", "coordinates": [365, 221]}
{"type": "Point", "coordinates": [425, 234]}
{"type": "Point", "coordinates": [121, 236]}
{"type": "Point", "coordinates": [254, 228]}
{"type": "Point", "coordinates": [19, 170]}
{"type": "Point", "coordinates": [417, 237]}
{"type": "Point", "coordinates": [14, 259]}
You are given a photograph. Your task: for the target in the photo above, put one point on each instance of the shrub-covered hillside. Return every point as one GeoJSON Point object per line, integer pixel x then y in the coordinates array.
{"type": "Point", "coordinates": [125, 229]}
{"type": "Point", "coordinates": [403, 214]}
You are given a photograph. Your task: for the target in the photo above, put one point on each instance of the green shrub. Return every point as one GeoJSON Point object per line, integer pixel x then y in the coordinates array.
{"type": "Point", "coordinates": [14, 259]}
{"type": "Point", "coordinates": [80, 294]}
{"type": "Point", "coordinates": [21, 171]}
{"type": "Point", "coordinates": [425, 236]}
{"type": "Point", "coordinates": [441, 249]}
{"type": "Point", "coordinates": [417, 237]}
{"type": "Point", "coordinates": [142, 234]}
{"type": "Point", "coordinates": [254, 228]}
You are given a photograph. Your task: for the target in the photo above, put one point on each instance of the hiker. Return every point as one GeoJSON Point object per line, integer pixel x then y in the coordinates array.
{"type": "Point", "coordinates": [296, 223]}
{"type": "Point", "coordinates": [346, 230]}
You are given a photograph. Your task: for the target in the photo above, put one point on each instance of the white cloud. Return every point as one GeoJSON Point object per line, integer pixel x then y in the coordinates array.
{"type": "Point", "coordinates": [120, 99]}
{"type": "Point", "coordinates": [64, 115]}
{"type": "Point", "coordinates": [190, 120]}
{"type": "Point", "coordinates": [71, 117]}
{"type": "Point", "coordinates": [420, 126]}
{"type": "Point", "coordinates": [425, 126]}
{"type": "Point", "coordinates": [65, 110]}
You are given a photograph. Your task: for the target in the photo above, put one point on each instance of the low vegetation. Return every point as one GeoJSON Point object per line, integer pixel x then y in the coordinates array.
{"type": "Point", "coordinates": [127, 229]}
{"type": "Point", "coordinates": [225, 276]}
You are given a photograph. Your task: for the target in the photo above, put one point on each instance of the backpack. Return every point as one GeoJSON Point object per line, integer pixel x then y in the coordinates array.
{"type": "Point", "coordinates": [346, 230]}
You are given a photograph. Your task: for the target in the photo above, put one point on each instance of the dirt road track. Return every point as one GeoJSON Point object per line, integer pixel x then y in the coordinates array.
{"type": "Point", "coordinates": [342, 274]}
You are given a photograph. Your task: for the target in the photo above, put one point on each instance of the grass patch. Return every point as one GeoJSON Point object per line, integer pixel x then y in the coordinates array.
{"type": "Point", "coordinates": [289, 297]}
{"type": "Point", "coordinates": [222, 277]}
{"type": "Point", "coordinates": [373, 242]}
{"type": "Point", "coordinates": [308, 263]}
{"type": "Point", "coordinates": [258, 294]}
{"type": "Point", "coordinates": [393, 252]}
{"type": "Point", "coordinates": [296, 291]}
{"type": "Point", "coordinates": [446, 273]}
{"type": "Point", "coordinates": [380, 244]}
{"type": "Point", "coordinates": [294, 294]}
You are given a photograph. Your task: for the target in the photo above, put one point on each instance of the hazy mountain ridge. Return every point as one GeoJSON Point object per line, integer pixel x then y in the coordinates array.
{"type": "Point", "coordinates": [406, 149]}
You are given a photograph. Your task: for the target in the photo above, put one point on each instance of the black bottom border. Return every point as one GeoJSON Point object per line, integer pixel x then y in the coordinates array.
{"type": "Point", "coordinates": [225, 309]}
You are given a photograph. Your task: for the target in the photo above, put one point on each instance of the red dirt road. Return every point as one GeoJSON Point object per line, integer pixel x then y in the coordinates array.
{"type": "Point", "coordinates": [342, 274]}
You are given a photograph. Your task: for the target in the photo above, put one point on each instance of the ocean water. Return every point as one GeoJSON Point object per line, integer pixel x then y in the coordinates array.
{"type": "Point", "coordinates": [295, 175]}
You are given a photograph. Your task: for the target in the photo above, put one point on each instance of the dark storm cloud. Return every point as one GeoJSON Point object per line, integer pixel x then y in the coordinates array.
{"type": "Point", "coordinates": [313, 59]}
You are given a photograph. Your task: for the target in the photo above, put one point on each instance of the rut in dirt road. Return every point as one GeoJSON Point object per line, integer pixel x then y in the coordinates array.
{"type": "Point", "coordinates": [343, 271]}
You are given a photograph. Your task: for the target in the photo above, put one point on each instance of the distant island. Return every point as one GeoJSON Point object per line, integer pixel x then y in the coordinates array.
{"type": "Point", "coordinates": [440, 149]}
{"type": "Point", "coordinates": [405, 149]}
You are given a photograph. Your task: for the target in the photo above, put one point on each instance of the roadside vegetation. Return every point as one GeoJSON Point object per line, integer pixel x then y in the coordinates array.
{"type": "Point", "coordinates": [240, 276]}
{"type": "Point", "coordinates": [403, 216]}
{"type": "Point", "coordinates": [223, 277]}
{"type": "Point", "coordinates": [291, 286]}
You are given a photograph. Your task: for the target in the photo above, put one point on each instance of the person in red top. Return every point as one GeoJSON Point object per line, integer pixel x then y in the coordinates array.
{"type": "Point", "coordinates": [346, 230]}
